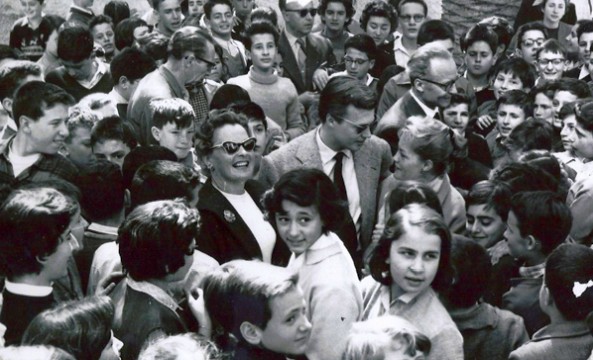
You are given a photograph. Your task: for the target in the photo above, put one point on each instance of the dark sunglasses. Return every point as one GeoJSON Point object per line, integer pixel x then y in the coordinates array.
{"type": "Point", "coordinates": [303, 12]}
{"type": "Point", "coordinates": [232, 147]}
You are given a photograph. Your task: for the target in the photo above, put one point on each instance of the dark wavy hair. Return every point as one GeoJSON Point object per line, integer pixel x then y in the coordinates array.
{"type": "Point", "coordinates": [378, 8]}
{"type": "Point", "coordinates": [418, 215]}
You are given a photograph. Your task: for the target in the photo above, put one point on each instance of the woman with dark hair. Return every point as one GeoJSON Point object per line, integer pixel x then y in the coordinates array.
{"type": "Point", "coordinates": [82, 328]}
{"type": "Point", "coordinates": [379, 20]}
{"type": "Point", "coordinates": [229, 201]}
{"type": "Point", "coordinates": [408, 266]}
{"type": "Point", "coordinates": [305, 209]}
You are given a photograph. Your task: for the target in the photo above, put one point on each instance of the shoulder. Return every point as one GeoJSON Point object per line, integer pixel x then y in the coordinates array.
{"type": "Point", "coordinates": [20, 23]}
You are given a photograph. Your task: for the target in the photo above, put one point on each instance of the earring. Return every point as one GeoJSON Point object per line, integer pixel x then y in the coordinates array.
{"type": "Point", "coordinates": [385, 274]}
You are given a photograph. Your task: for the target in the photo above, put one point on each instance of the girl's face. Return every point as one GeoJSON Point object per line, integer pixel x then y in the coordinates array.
{"type": "Point", "coordinates": [413, 261]}
{"type": "Point", "coordinates": [408, 164]}
{"type": "Point", "coordinates": [234, 167]}
{"type": "Point", "coordinates": [195, 7]}
{"type": "Point", "coordinates": [554, 11]}
{"type": "Point", "coordinates": [298, 226]}
{"type": "Point", "coordinates": [378, 28]}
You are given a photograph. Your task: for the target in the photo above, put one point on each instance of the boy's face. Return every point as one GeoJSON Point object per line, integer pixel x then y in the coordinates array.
{"type": "Point", "coordinates": [195, 7]}
{"type": "Point", "coordinates": [335, 16]}
{"type": "Point", "coordinates": [180, 141]}
{"type": "Point", "coordinates": [585, 42]}
{"type": "Point", "coordinates": [279, 64]}
{"type": "Point", "coordinates": [111, 150]}
{"type": "Point", "coordinates": [243, 7]}
{"type": "Point", "coordinates": [81, 70]}
{"type": "Point", "coordinates": [32, 8]}
{"type": "Point", "coordinates": [263, 51]}
{"type": "Point", "coordinates": [357, 63]}
{"type": "Point", "coordinates": [47, 134]}
{"type": "Point", "coordinates": [505, 81]}
{"type": "Point", "coordinates": [479, 58]}
{"type": "Point", "coordinates": [258, 131]}
{"type": "Point", "coordinates": [530, 43]}
{"type": "Point", "coordinates": [104, 36]}
{"type": "Point", "coordinates": [583, 144]}
{"type": "Point", "coordinates": [457, 117]}
{"type": "Point", "coordinates": [288, 329]}
{"type": "Point", "coordinates": [411, 18]}
{"type": "Point", "coordinates": [79, 147]}
{"type": "Point", "coordinates": [484, 225]}
{"type": "Point", "coordinates": [170, 15]}
{"type": "Point", "coordinates": [221, 20]}
{"type": "Point", "coordinates": [508, 116]}
{"type": "Point", "coordinates": [518, 245]}
{"type": "Point", "coordinates": [568, 133]}
{"type": "Point", "coordinates": [551, 65]}
{"type": "Point", "coordinates": [543, 108]}
{"type": "Point", "coordinates": [561, 97]}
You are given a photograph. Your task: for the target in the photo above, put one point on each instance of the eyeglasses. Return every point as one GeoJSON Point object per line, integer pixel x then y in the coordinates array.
{"type": "Point", "coordinates": [530, 42]}
{"type": "Point", "coordinates": [303, 12]}
{"type": "Point", "coordinates": [350, 61]}
{"type": "Point", "coordinates": [232, 147]}
{"type": "Point", "coordinates": [208, 63]}
{"type": "Point", "coordinates": [546, 62]}
{"type": "Point", "coordinates": [407, 18]}
{"type": "Point", "coordinates": [359, 128]}
{"type": "Point", "coordinates": [446, 87]}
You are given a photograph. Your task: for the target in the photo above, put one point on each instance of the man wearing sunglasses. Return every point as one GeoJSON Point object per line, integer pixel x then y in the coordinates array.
{"type": "Point", "coordinates": [346, 111]}
{"type": "Point", "coordinates": [304, 54]}
{"type": "Point", "coordinates": [190, 57]}
{"type": "Point", "coordinates": [433, 74]}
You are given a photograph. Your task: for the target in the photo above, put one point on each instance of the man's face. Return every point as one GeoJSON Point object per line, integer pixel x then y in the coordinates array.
{"type": "Point", "coordinates": [572, 41]}
{"type": "Point", "coordinates": [200, 67]}
{"type": "Point", "coordinates": [296, 24]}
{"type": "Point", "coordinates": [357, 63]}
{"type": "Point", "coordinates": [411, 17]}
{"type": "Point", "coordinates": [551, 65]}
{"type": "Point", "coordinates": [335, 16]}
{"type": "Point", "coordinates": [169, 16]}
{"type": "Point", "coordinates": [479, 58]}
{"type": "Point", "coordinates": [585, 42]}
{"type": "Point", "coordinates": [243, 7]}
{"type": "Point", "coordinates": [529, 45]}
{"type": "Point", "coordinates": [508, 117]}
{"type": "Point", "coordinates": [81, 70]}
{"type": "Point", "coordinates": [435, 88]}
{"type": "Point", "coordinates": [351, 131]}
{"type": "Point", "coordinates": [47, 134]}
{"type": "Point", "coordinates": [221, 20]}
{"type": "Point", "coordinates": [111, 150]}
{"type": "Point", "coordinates": [104, 36]}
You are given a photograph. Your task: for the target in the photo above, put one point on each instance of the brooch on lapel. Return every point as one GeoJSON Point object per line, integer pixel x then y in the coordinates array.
{"type": "Point", "coordinates": [229, 216]}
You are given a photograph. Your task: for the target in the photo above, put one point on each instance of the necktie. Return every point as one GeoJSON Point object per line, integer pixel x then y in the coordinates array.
{"type": "Point", "coordinates": [198, 101]}
{"type": "Point", "coordinates": [302, 57]}
{"type": "Point", "coordinates": [338, 177]}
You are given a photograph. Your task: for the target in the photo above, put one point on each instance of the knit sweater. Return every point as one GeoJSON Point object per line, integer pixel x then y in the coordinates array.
{"type": "Point", "coordinates": [277, 96]}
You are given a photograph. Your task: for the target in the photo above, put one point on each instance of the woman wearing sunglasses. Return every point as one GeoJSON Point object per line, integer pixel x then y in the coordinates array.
{"type": "Point", "coordinates": [233, 224]}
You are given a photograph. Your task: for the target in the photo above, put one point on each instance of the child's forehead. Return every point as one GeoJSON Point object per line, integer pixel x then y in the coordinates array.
{"type": "Point", "coordinates": [511, 108]}
{"type": "Point", "coordinates": [508, 73]}
{"type": "Point", "coordinates": [457, 106]}
{"type": "Point", "coordinates": [555, 54]}
{"type": "Point", "coordinates": [533, 34]}
{"type": "Point", "coordinates": [173, 125]}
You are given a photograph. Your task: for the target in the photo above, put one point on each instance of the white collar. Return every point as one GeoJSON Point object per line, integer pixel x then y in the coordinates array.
{"type": "Point", "coordinates": [103, 229]}
{"type": "Point", "coordinates": [584, 72]}
{"type": "Point", "coordinates": [292, 40]}
{"type": "Point", "coordinates": [428, 111]}
{"type": "Point", "coordinates": [27, 289]}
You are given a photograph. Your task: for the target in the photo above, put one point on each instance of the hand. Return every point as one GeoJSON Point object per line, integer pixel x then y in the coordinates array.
{"type": "Point", "coordinates": [106, 286]}
{"type": "Point", "coordinates": [195, 301]}
{"type": "Point", "coordinates": [484, 121]}
{"type": "Point", "coordinates": [320, 79]}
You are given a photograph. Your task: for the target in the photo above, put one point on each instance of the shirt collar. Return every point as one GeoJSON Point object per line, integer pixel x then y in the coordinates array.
{"type": "Point", "coordinates": [533, 272]}
{"type": "Point", "coordinates": [81, 9]}
{"type": "Point", "coordinates": [584, 72]}
{"type": "Point", "coordinates": [154, 291]}
{"type": "Point", "coordinates": [428, 111]}
{"type": "Point", "coordinates": [27, 289]}
{"type": "Point", "coordinates": [326, 153]}
{"type": "Point", "coordinates": [102, 229]}
{"type": "Point", "coordinates": [387, 302]}
{"type": "Point", "coordinates": [117, 97]}
{"type": "Point", "coordinates": [292, 39]}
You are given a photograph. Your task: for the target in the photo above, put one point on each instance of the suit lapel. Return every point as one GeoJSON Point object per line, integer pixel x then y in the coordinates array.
{"type": "Point", "coordinates": [291, 66]}
{"type": "Point", "coordinates": [411, 107]}
{"type": "Point", "coordinates": [363, 168]}
{"type": "Point", "coordinates": [308, 152]}
{"type": "Point", "coordinates": [313, 59]}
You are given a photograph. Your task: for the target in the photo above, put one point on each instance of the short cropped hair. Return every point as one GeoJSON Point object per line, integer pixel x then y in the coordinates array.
{"type": "Point", "coordinates": [531, 26]}
{"type": "Point", "coordinates": [80, 327]}
{"type": "Point", "coordinates": [578, 88]}
{"type": "Point", "coordinates": [522, 177]}
{"type": "Point", "coordinates": [189, 38]}
{"type": "Point", "coordinates": [433, 30]}
{"type": "Point", "coordinates": [132, 63]}
{"type": "Point", "coordinates": [532, 134]}
{"type": "Point", "coordinates": [34, 97]}
{"type": "Point", "coordinates": [543, 215]}
{"type": "Point", "coordinates": [348, 6]}
{"type": "Point", "coordinates": [502, 27]}
{"type": "Point", "coordinates": [418, 215]}
{"type": "Point", "coordinates": [113, 128]}
{"type": "Point", "coordinates": [363, 43]}
{"type": "Point", "coordinates": [162, 180]}
{"type": "Point", "coordinates": [342, 91]}
{"type": "Point", "coordinates": [472, 267]}
{"type": "Point", "coordinates": [14, 73]}
{"type": "Point", "coordinates": [100, 19]}
{"type": "Point", "coordinates": [420, 61]}
{"type": "Point", "coordinates": [585, 27]}
{"type": "Point", "coordinates": [252, 111]}
{"type": "Point", "coordinates": [102, 188]}
{"type": "Point", "coordinates": [378, 8]}
{"type": "Point", "coordinates": [174, 110]}
{"type": "Point", "coordinates": [81, 118]}
{"type": "Point", "coordinates": [480, 33]}
{"type": "Point", "coordinates": [515, 97]}
{"type": "Point", "coordinates": [157, 47]}
{"type": "Point", "coordinates": [457, 98]}
{"type": "Point", "coordinates": [519, 68]}
{"type": "Point", "coordinates": [210, 4]}
{"type": "Point", "coordinates": [181, 346]}
{"type": "Point", "coordinates": [141, 155]}
{"type": "Point", "coordinates": [307, 187]}
{"type": "Point", "coordinates": [156, 237]}
{"type": "Point", "coordinates": [75, 43]}
{"type": "Point", "coordinates": [124, 32]}
{"type": "Point", "coordinates": [32, 222]}
{"type": "Point", "coordinates": [258, 28]}
{"type": "Point", "coordinates": [419, 2]}
{"type": "Point", "coordinates": [552, 46]}
{"type": "Point", "coordinates": [494, 195]}
{"type": "Point", "coordinates": [239, 285]}
{"type": "Point", "coordinates": [566, 267]}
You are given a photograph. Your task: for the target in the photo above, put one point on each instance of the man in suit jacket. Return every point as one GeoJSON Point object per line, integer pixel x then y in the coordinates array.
{"type": "Point", "coordinates": [433, 73]}
{"type": "Point", "coordinates": [317, 49]}
{"type": "Point", "coordinates": [346, 109]}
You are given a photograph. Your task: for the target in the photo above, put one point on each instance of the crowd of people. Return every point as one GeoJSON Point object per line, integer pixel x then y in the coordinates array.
{"type": "Point", "coordinates": [220, 180]}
